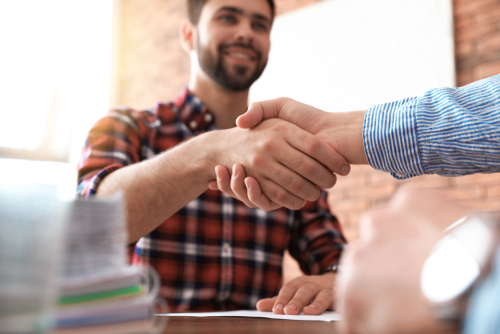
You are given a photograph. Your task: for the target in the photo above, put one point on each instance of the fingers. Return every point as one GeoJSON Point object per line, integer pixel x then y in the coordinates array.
{"type": "Point", "coordinates": [266, 304]}
{"type": "Point", "coordinates": [248, 189]}
{"type": "Point", "coordinates": [257, 197]}
{"type": "Point", "coordinates": [323, 301]}
{"type": "Point", "coordinates": [315, 151]}
{"type": "Point", "coordinates": [303, 297]}
{"type": "Point", "coordinates": [297, 294]}
{"type": "Point", "coordinates": [213, 185]}
{"type": "Point", "coordinates": [258, 111]}
{"type": "Point", "coordinates": [224, 181]}
{"type": "Point", "coordinates": [238, 185]}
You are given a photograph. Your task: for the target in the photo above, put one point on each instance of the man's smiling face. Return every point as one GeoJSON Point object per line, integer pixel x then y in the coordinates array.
{"type": "Point", "coordinates": [232, 41]}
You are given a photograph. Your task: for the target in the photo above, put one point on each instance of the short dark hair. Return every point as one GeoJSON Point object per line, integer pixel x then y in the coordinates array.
{"type": "Point", "coordinates": [195, 6]}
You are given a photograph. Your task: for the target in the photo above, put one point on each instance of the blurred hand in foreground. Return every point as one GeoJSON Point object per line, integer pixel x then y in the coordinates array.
{"type": "Point", "coordinates": [378, 288]}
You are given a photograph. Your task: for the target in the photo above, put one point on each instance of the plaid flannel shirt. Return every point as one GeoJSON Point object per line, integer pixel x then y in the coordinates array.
{"type": "Point", "coordinates": [215, 253]}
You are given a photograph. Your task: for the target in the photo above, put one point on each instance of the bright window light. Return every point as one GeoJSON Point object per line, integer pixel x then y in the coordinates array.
{"type": "Point", "coordinates": [55, 70]}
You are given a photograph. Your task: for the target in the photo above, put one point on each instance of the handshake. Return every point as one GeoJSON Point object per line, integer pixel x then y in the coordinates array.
{"type": "Point", "coordinates": [308, 148]}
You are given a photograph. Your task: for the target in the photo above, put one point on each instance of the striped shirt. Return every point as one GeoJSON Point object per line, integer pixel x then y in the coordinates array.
{"type": "Point", "coordinates": [446, 131]}
{"type": "Point", "coordinates": [215, 253]}
{"type": "Point", "coordinates": [449, 132]}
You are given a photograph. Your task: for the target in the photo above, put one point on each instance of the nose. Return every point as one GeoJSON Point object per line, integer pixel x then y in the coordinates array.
{"type": "Point", "coordinates": [244, 33]}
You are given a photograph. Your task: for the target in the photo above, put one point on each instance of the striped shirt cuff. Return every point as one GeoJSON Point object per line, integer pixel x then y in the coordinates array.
{"type": "Point", "coordinates": [390, 138]}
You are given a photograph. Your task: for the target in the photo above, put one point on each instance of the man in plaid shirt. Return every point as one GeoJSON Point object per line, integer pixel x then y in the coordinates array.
{"type": "Point", "coordinates": [212, 251]}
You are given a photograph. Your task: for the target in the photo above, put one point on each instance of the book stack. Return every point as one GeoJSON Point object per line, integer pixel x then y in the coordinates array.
{"type": "Point", "coordinates": [31, 245]}
{"type": "Point", "coordinates": [99, 291]}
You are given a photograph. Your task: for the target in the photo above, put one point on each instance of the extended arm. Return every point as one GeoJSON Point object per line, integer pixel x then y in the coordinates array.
{"type": "Point", "coordinates": [155, 189]}
{"type": "Point", "coordinates": [446, 131]}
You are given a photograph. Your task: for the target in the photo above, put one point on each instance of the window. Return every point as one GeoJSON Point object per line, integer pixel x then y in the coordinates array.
{"type": "Point", "coordinates": [55, 80]}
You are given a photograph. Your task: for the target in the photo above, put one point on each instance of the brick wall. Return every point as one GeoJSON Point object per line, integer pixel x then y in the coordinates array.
{"type": "Point", "coordinates": [477, 53]}
{"type": "Point", "coordinates": [153, 67]}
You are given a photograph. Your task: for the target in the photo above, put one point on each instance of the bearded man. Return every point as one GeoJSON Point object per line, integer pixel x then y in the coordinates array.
{"type": "Point", "coordinates": [211, 251]}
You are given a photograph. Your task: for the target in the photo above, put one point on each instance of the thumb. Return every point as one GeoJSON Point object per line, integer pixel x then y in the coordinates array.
{"type": "Point", "coordinates": [259, 111]}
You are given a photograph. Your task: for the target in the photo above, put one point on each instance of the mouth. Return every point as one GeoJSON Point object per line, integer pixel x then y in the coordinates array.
{"type": "Point", "coordinates": [240, 55]}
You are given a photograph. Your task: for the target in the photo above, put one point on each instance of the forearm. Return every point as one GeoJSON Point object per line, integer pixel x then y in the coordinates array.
{"type": "Point", "coordinates": [157, 188]}
{"type": "Point", "coordinates": [345, 131]}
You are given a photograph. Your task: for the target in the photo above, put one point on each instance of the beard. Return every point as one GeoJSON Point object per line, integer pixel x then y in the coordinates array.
{"type": "Point", "coordinates": [234, 78]}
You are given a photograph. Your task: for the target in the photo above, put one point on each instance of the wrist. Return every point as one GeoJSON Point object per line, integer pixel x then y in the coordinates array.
{"type": "Point", "coordinates": [195, 159]}
{"type": "Point", "coordinates": [345, 130]}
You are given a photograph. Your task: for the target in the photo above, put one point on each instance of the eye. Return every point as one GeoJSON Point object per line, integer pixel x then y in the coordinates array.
{"type": "Point", "coordinates": [259, 26]}
{"type": "Point", "coordinates": [227, 18]}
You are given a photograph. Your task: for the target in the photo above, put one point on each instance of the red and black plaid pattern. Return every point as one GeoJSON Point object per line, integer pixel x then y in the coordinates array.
{"type": "Point", "coordinates": [215, 253]}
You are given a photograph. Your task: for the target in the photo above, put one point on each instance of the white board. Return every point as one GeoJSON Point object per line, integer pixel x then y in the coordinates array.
{"type": "Point", "coordinates": [341, 55]}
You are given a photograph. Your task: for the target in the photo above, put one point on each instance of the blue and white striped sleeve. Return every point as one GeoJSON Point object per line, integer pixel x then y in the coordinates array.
{"type": "Point", "coordinates": [446, 131]}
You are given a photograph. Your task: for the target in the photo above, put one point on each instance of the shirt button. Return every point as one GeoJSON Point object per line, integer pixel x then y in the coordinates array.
{"type": "Point", "coordinates": [193, 124]}
{"type": "Point", "coordinates": [225, 295]}
{"type": "Point", "coordinates": [226, 248]}
{"type": "Point", "coordinates": [208, 117]}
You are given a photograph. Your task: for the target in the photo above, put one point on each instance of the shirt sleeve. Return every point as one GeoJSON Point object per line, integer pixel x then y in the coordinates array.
{"type": "Point", "coordinates": [483, 314]}
{"type": "Point", "coordinates": [115, 141]}
{"type": "Point", "coordinates": [317, 240]}
{"type": "Point", "coordinates": [446, 131]}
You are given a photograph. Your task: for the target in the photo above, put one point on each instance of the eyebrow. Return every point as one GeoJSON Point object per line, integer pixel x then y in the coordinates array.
{"type": "Point", "coordinates": [241, 12]}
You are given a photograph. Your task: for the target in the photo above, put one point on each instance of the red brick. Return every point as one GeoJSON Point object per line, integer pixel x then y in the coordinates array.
{"type": "Point", "coordinates": [475, 179]}
{"type": "Point", "coordinates": [489, 14]}
{"type": "Point", "coordinates": [349, 205]}
{"type": "Point", "coordinates": [470, 34]}
{"type": "Point", "coordinates": [493, 190]}
{"type": "Point", "coordinates": [335, 194]}
{"type": "Point", "coordinates": [377, 177]}
{"type": "Point", "coordinates": [351, 180]}
{"type": "Point", "coordinates": [467, 193]}
{"type": "Point", "coordinates": [465, 49]}
{"type": "Point", "coordinates": [484, 204]}
{"type": "Point", "coordinates": [487, 70]}
{"type": "Point", "coordinates": [464, 78]}
{"type": "Point", "coordinates": [379, 191]}
{"type": "Point", "coordinates": [490, 43]}
{"type": "Point", "coordinates": [473, 6]}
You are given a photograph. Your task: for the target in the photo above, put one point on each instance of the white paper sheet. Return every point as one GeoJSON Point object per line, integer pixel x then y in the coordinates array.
{"type": "Point", "coordinates": [325, 317]}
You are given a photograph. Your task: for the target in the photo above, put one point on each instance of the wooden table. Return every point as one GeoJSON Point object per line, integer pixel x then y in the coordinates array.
{"type": "Point", "coordinates": [194, 325]}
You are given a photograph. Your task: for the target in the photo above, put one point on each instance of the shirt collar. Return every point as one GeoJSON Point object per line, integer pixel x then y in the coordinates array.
{"type": "Point", "coordinates": [193, 112]}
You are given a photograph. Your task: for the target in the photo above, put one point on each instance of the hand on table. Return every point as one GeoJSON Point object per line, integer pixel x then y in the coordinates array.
{"type": "Point", "coordinates": [378, 287]}
{"type": "Point", "coordinates": [341, 131]}
{"type": "Point", "coordinates": [312, 294]}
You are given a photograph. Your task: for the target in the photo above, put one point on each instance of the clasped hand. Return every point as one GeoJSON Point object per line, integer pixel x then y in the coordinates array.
{"type": "Point", "coordinates": [288, 163]}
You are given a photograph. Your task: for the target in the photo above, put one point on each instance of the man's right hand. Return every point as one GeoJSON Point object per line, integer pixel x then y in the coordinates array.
{"type": "Point", "coordinates": [288, 163]}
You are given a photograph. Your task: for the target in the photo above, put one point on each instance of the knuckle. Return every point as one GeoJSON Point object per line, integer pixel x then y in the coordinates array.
{"type": "Point", "coordinates": [313, 145]}
{"type": "Point", "coordinates": [281, 196]}
{"type": "Point", "coordinates": [297, 185]}
{"type": "Point", "coordinates": [309, 168]}
{"type": "Point", "coordinates": [256, 160]}
{"type": "Point", "coordinates": [267, 145]}
{"type": "Point", "coordinates": [310, 288]}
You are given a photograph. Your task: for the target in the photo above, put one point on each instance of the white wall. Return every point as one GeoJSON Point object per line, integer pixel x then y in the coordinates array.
{"type": "Point", "coordinates": [341, 55]}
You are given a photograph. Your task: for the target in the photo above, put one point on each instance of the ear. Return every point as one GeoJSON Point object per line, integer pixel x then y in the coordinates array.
{"type": "Point", "coordinates": [186, 35]}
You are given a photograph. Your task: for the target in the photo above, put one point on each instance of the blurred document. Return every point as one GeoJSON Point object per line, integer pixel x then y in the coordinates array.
{"type": "Point", "coordinates": [328, 316]}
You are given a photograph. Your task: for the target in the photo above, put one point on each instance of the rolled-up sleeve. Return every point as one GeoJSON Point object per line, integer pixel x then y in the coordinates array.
{"type": "Point", "coordinates": [114, 141]}
{"type": "Point", "coordinates": [317, 240]}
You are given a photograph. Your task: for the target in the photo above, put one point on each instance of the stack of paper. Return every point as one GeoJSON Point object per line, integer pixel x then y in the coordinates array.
{"type": "Point", "coordinates": [99, 292]}
{"type": "Point", "coordinates": [31, 244]}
